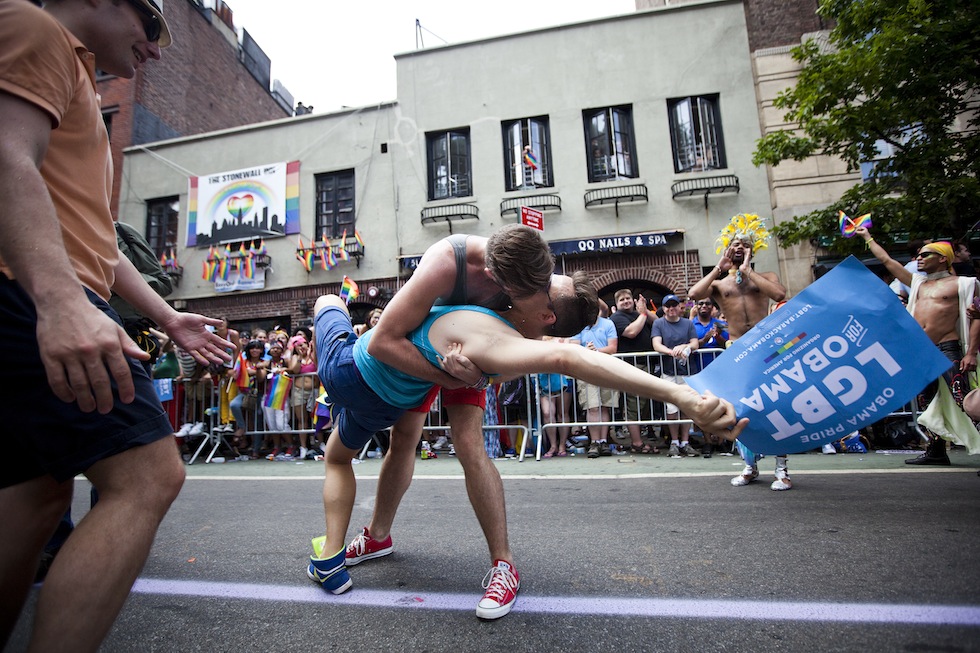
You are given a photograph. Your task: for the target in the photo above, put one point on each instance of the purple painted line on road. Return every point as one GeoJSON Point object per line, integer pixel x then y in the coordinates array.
{"type": "Point", "coordinates": [894, 613]}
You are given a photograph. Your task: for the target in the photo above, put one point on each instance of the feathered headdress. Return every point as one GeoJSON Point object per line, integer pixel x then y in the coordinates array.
{"type": "Point", "coordinates": [747, 227]}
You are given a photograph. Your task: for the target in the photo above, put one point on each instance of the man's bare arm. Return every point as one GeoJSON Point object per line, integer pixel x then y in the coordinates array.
{"type": "Point", "coordinates": [31, 244]}
{"type": "Point", "coordinates": [702, 289]}
{"type": "Point", "coordinates": [434, 278]}
{"type": "Point", "coordinates": [896, 269]}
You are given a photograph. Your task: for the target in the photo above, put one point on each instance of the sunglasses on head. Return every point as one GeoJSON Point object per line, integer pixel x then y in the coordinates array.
{"type": "Point", "coordinates": [151, 24]}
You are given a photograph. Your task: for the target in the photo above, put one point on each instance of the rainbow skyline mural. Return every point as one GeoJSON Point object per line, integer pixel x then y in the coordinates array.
{"type": "Point", "coordinates": [257, 202]}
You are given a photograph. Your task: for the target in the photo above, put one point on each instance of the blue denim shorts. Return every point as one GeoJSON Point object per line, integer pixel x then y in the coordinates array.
{"type": "Point", "coordinates": [45, 435]}
{"type": "Point", "coordinates": [358, 412]}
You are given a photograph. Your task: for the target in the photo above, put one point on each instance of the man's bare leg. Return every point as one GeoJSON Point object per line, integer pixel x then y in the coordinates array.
{"type": "Point", "coordinates": [483, 484]}
{"type": "Point", "coordinates": [30, 513]}
{"type": "Point", "coordinates": [90, 579]}
{"type": "Point", "coordinates": [339, 491]}
{"type": "Point", "coordinates": [396, 473]}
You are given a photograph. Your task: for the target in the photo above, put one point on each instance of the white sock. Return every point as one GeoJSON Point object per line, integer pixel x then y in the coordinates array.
{"type": "Point", "coordinates": [675, 443]}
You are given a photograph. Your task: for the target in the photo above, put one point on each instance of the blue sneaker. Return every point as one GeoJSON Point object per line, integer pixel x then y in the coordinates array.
{"type": "Point", "coordinates": [330, 573]}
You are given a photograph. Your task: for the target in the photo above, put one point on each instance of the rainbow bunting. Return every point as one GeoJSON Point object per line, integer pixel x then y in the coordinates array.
{"type": "Point", "coordinates": [357, 237]}
{"type": "Point", "coordinates": [530, 159]}
{"type": "Point", "coordinates": [349, 290]}
{"type": "Point", "coordinates": [277, 391]}
{"type": "Point", "coordinates": [848, 226]}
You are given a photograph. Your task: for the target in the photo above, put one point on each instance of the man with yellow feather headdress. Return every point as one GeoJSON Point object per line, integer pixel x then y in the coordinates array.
{"type": "Point", "coordinates": [743, 295]}
{"type": "Point", "coordinates": [939, 302]}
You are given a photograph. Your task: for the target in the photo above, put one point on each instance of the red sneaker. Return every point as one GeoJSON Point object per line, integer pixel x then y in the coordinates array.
{"type": "Point", "coordinates": [501, 583]}
{"type": "Point", "coordinates": [364, 547]}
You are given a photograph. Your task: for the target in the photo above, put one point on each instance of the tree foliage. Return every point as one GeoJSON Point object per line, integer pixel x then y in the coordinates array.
{"type": "Point", "coordinates": [906, 72]}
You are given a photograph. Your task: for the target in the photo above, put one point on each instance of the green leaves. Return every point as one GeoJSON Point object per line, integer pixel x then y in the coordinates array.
{"type": "Point", "coordinates": [906, 73]}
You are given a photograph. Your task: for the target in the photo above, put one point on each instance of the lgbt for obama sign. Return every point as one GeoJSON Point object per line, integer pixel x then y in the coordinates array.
{"type": "Point", "coordinates": [839, 356]}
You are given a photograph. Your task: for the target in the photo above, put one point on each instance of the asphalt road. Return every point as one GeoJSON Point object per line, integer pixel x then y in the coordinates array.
{"type": "Point", "coordinates": [631, 553]}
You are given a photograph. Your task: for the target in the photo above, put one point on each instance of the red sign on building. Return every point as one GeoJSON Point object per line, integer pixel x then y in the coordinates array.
{"type": "Point", "coordinates": [532, 218]}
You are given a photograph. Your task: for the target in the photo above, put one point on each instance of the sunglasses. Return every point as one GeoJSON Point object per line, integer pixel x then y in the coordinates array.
{"type": "Point", "coordinates": [704, 303]}
{"type": "Point", "coordinates": [925, 254]}
{"type": "Point", "coordinates": [151, 24]}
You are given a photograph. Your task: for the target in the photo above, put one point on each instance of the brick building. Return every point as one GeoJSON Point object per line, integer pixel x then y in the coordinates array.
{"type": "Point", "coordinates": [205, 81]}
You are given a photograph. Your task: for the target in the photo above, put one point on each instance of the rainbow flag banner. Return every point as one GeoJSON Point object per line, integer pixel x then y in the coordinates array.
{"type": "Point", "coordinates": [277, 387]}
{"type": "Point", "coordinates": [530, 159]}
{"type": "Point", "coordinates": [816, 370]}
{"type": "Point", "coordinates": [849, 225]}
{"type": "Point", "coordinates": [349, 290]}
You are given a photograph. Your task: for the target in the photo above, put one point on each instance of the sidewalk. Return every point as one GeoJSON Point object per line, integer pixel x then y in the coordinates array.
{"type": "Point", "coordinates": [629, 465]}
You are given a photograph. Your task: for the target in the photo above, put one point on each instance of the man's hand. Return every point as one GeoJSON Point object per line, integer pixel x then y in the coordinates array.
{"type": "Point", "coordinates": [746, 267]}
{"type": "Point", "coordinates": [641, 306]}
{"type": "Point", "coordinates": [82, 352]}
{"type": "Point", "coordinates": [459, 366]}
{"type": "Point", "coordinates": [188, 330]}
{"type": "Point", "coordinates": [968, 363]}
{"type": "Point", "coordinates": [725, 262]}
{"type": "Point", "coordinates": [711, 414]}
{"type": "Point", "coordinates": [863, 233]}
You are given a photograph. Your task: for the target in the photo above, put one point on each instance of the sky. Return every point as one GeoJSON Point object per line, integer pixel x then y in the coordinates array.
{"type": "Point", "coordinates": [331, 54]}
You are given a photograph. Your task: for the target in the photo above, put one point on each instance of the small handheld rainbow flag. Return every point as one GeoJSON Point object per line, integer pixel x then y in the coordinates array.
{"type": "Point", "coordinates": [530, 159]}
{"type": "Point", "coordinates": [349, 290]}
{"type": "Point", "coordinates": [277, 391]}
{"type": "Point", "coordinates": [342, 252]}
{"type": "Point", "coordinates": [848, 226]}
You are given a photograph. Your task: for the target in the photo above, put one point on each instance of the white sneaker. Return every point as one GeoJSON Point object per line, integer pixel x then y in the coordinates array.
{"type": "Point", "coordinates": [829, 448]}
{"type": "Point", "coordinates": [185, 429]}
{"type": "Point", "coordinates": [441, 442]}
{"type": "Point", "coordinates": [197, 429]}
{"type": "Point", "coordinates": [302, 453]}
{"type": "Point", "coordinates": [782, 481]}
{"type": "Point", "coordinates": [748, 475]}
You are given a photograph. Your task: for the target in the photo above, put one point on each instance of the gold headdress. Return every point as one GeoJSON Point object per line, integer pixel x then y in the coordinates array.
{"type": "Point", "coordinates": [747, 227]}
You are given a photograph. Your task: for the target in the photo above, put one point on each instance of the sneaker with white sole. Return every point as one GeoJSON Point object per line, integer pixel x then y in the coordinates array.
{"type": "Point", "coordinates": [196, 429]}
{"type": "Point", "coordinates": [689, 451]}
{"type": "Point", "coordinates": [501, 583]}
{"type": "Point", "coordinates": [330, 573]}
{"type": "Point", "coordinates": [782, 481]}
{"type": "Point", "coordinates": [441, 443]}
{"type": "Point", "coordinates": [674, 451]}
{"type": "Point", "coordinates": [185, 429]}
{"type": "Point", "coordinates": [364, 547]}
{"type": "Point", "coordinates": [828, 449]}
{"type": "Point", "coordinates": [749, 474]}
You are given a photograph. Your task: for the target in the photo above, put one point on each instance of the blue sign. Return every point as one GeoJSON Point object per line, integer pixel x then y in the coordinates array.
{"type": "Point", "coordinates": [839, 356]}
{"type": "Point", "coordinates": [607, 243]}
{"type": "Point", "coordinates": [164, 388]}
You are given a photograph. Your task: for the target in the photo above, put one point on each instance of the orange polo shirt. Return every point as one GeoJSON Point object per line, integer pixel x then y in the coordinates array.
{"type": "Point", "coordinates": [43, 63]}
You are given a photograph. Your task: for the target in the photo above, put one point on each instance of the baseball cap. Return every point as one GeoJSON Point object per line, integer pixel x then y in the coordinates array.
{"type": "Point", "coordinates": [670, 298]}
{"type": "Point", "coordinates": [155, 7]}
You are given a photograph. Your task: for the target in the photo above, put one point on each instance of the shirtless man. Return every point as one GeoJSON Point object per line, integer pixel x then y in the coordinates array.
{"type": "Point", "coordinates": [369, 395]}
{"type": "Point", "coordinates": [743, 295]}
{"type": "Point", "coordinates": [510, 268]}
{"type": "Point", "coordinates": [935, 303]}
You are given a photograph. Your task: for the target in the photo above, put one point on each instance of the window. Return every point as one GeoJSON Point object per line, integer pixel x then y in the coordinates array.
{"type": "Point", "coordinates": [880, 165]}
{"type": "Point", "coordinates": [695, 133]}
{"type": "Point", "coordinates": [529, 135]}
{"type": "Point", "coordinates": [449, 164]}
{"type": "Point", "coordinates": [334, 204]}
{"type": "Point", "coordinates": [610, 143]}
{"type": "Point", "coordinates": [161, 224]}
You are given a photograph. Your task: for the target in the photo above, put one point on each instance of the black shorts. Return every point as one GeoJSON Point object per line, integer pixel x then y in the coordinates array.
{"type": "Point", "coordinates": [45, 435]}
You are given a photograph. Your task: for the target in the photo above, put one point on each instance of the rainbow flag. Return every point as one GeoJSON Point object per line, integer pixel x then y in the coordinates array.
{"type": "Point", "coordinates": [205, 270]}
{"type": "Point", "coordinates": [248, 267]}
{"type": "Point", "coordinates": [262, 250]}
{"type": "Point", "coordinates": [308, 259]}
{"type": "Point", "coordinates": [342, 252]}
{"type": "Point", "coordinates": [849, 225]}
{"type": "Point", "coordinates": [323, 259]}
{"type": "Point", "coordinates": [331, 259]}
{"type": "Point", "coordinates": [242, 379]}
{"type": "Point", "coordinates": [349, 290]}
{"type": "Point", "coordinates": [357, 237]}
{"type": "Point", "coordinates": [223, 269]}
{"type": "Point", "coordinates": [530, 159]}
{"type": "Point", "coordinates": [277, 388]}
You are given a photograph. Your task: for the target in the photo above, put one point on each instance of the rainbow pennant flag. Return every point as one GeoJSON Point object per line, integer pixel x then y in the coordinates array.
{"type": "Point", "coordinates": [342, 252]}
{"type": "Point", "coordinates": [530, 159]}
{"type": "Point", "coordinates": [848, 225]}
{"type": "Point", "coordinates": [357, 237]}
{"type": "Point", "coordinates": [349, 290]}
{"type": "Point", "coordinates": [277, 391]}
